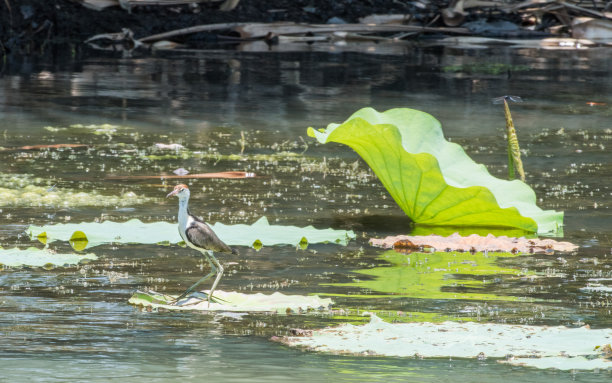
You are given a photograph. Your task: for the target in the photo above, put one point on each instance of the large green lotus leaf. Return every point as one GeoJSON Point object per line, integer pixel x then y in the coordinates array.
{"type": "Point", "coordinates": [438, 275]}
{"type": "Point", "coordinates": [136, 231]}
{"type": "Point", "coordinates": [38, 258]}
{"type": "Point", "coordinates": [433, 180]}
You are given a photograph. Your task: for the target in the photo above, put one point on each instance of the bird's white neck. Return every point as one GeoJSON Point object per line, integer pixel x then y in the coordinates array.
{"type": "Point", "coordinates": [183, 215]}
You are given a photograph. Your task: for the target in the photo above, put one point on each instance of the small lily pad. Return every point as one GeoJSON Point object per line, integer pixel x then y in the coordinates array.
{"type": "Point", "coordinates": [303, 243]}
{"type": "Point", "coordinates": [78, 240]}
{"type": "Point", "coordinates": [42, 237]}
{"type": "Point", "coordinates": [257, 245]}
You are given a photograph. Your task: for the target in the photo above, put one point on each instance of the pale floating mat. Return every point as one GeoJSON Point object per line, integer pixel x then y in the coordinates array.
{"type": "Point", "coordinates": [535, 346]}
{"type": "Point", "coordinates": [474, 242]}
{"type": "Point", "coordinates": [236, 302]}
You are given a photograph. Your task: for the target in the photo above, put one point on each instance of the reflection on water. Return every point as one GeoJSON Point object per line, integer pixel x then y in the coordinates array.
{"type": "Point", "coordinates": [249, 112]}
{"type": "Point", "coordinates": [439, 275]}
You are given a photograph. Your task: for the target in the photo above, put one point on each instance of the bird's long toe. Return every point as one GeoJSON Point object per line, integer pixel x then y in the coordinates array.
{"type": "Point", "coordinates": [190, 299]}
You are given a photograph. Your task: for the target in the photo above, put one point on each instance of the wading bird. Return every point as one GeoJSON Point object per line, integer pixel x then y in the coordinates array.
{"type": "Point", "coordinates": [198, 235]}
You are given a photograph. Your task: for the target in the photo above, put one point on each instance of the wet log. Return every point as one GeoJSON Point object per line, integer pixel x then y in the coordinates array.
{"type": "Point", "coordinates": [592, 29]}
{"type": "Point", "coordinates": [99, 5]}
{"type": "Point", "coordinates": [261, 30]}
{"type": "Point", "coordinates": [583, 11]}
{"type": "Point", "coordinates": [454, 14]}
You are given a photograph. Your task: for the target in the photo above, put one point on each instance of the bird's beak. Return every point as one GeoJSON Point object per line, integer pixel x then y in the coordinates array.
{"type": "Point", "coordinates": [173, 192]}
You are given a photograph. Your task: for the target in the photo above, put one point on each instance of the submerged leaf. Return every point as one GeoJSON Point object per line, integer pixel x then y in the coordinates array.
{"type": "Point", "coordinates": [433, 180]}
{"type": "Point", "coordinates": [136, 231]}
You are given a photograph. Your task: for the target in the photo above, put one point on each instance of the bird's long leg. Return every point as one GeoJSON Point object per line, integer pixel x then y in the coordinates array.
{"type": "Point", "coordinates": [219, 275]}
{"type": "Point", "coordinates": [204, 278]}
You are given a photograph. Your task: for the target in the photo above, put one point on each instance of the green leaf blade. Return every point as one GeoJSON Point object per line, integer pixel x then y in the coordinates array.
{"type": "Point", "coordinates": [433, 180]}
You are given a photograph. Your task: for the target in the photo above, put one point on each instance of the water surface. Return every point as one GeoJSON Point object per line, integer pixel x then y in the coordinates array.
{"type": "Point", "coordinates": [249, 112]}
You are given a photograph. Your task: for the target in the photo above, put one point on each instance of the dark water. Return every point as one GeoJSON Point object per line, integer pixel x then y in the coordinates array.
{"type": "Point", "coordinates": [74, 323]}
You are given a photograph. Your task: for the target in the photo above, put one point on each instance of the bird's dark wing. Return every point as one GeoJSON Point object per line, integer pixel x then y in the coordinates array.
{"type": "Point", "coordinates": [201, 235]}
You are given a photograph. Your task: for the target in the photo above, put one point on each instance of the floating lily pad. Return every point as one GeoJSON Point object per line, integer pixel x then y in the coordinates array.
{"type": "Point", "coordinates": [136, 231]}
{"type": "Point", "coordinates": [433, 180]}
{"type": "Point", "coordinates": [40, 258]}
{"type": "Point", "coordinates": [237, 302]}
{"type": "Point", "coordinates": [558, 347]}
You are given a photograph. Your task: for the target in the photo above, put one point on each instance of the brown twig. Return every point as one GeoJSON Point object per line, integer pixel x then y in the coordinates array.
{"type": "Point", "coordinates": [231, 174]}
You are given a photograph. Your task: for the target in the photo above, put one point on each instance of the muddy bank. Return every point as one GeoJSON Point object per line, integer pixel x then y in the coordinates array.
{"type": "Point", "coordinates": [29, 27]}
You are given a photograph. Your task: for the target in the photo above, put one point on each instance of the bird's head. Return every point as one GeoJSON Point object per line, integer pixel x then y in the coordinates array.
{"type": "Point", "coordinates": [181, 191]}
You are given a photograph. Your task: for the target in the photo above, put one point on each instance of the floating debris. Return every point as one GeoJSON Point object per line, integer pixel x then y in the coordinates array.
{"type": "Point", "coordinates": [169, 146]}
{"type": "Point", "coordinates": [181, 172]}
{"type": "Point", "coordinates": [474, 242]}
{"type": "Point", "coordinates": [42, 147]}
